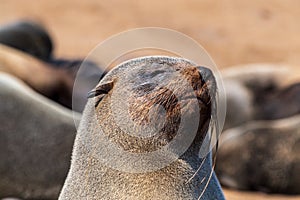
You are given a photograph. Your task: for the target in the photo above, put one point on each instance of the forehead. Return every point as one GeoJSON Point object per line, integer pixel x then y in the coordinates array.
{"type": "Point", "coordinates": [152, 68]}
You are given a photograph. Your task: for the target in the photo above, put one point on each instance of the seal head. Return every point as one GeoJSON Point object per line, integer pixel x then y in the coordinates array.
{"type": "Point", "coordinates": [141, 134]}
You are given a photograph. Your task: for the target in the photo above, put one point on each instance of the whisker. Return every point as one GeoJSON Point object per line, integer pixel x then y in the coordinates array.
{"type": "Point", "coordinates": [205, 187]}
{"type": "Point", "coordinates": [202, 162]}
{"type": "Point", "coordinates": [211, 173]}
{"type": "Point", "coordinates": [197, 170]}
{"type": "Point", "coordinates": [214, 161]}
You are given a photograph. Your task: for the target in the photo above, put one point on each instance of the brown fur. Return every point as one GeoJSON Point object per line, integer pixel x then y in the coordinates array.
{"type": "Point", "coordinates": [51, 82]}
{"type": "Point", "coordinates": [89, 178]}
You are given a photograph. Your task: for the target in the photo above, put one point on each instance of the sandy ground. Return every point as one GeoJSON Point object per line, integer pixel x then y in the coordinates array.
{"type": "Point", "coordinates": [232, 31]}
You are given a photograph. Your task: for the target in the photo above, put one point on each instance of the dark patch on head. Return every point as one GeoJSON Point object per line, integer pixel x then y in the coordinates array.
{"type": "Point", "coordinates": [146, 95]}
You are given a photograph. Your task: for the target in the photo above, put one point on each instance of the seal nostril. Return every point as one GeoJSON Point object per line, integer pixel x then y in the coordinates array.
{"type": "Point", "coordinates": [206, 74]}
{"type": "Point", "coordinates": [208, 78]}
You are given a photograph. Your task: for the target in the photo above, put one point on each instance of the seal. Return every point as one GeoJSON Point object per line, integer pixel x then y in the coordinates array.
{"type": "Point", "coordinates": [36, 139]}
{"type": "Point", "coordinates": [278, 103]}
{"type": "Point", "coordinates": [261, 155]}
{"type": "Point", "coordinates": [151, 86]}
{"type": "Point", "coordinates": [54, 80]}
{"type": "Point", "coordinates": [257, 92]}
{"type": "Point", "coordinates": [51, 82]}
{"type": "Point", "coordinates": [26, 49]}
{"type": "Point", "coordinates": [29, 37]}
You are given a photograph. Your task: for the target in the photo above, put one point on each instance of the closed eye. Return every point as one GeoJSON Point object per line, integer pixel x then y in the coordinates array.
{"type": "Point", "coordinates": [99, 98]}
{"type": "Point", "coordinates": [100, 91]}
{"type": "Point", "coordinates": [95, 93]}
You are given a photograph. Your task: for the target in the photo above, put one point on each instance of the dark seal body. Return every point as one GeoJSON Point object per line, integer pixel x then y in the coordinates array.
{"type": "Point", "coordinates": [261, 155]}
{"type": "Point", "coordinates": [26, 52]}
{"type": "Point", "coordinates": [36, 138]}
{"type": "Point", "coordinates": [98, 173]}
{"type": "Point", "coordinates": [29, 37]}
{"type": "Point", "coordinates": [258, 92]}
{"type": "Point", "coordinates": [258, 151]}
{"type": "Point", "coordinates": [54, 80]}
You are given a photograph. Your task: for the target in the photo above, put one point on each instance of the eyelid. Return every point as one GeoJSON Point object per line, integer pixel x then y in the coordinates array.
{"type": "Point", "coordinates": [99, 98]}
{"type": "Point", "coordinates": [95, 93]}
{"type": "Point", "coordinates": [104, 88]}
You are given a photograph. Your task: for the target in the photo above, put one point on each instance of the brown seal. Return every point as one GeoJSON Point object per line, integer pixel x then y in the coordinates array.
{"type": "Point", "coordinates": [261, 155]}
{"type": "Point", "coordinates": [26, 52]}
{"type": "Point", "coordinates": [51, 82]}
{"type": "Point", "coordinates": [99, 173]}
{"type": "Point", "coordinates": [54, 80]}
{"type": "Point", "coordinates": [36, 139]}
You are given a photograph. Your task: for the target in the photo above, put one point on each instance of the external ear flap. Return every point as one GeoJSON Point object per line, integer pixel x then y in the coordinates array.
{"type": "Point", "coordinates": [101, 89]}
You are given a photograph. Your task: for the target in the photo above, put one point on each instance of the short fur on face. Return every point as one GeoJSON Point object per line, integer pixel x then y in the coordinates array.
{"type": "Point", "coordinates": [138, 82]}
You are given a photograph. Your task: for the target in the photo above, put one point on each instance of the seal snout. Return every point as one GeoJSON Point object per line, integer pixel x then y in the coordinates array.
{"type": "Point", "coordinates": [208, 88]}
{"type": "Point", "coordinates": [206, 74]}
